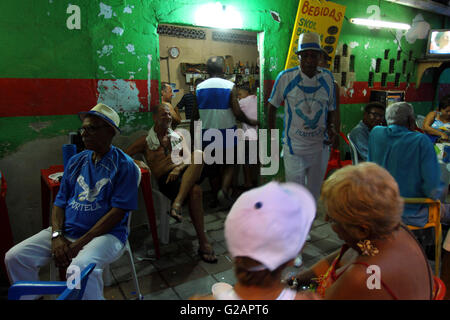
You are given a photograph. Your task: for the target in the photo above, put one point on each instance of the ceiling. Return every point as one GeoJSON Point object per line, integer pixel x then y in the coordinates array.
{"type": "Point", "coordinates": [436, 6]}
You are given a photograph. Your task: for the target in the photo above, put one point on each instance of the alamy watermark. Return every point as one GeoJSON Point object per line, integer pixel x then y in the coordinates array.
{"type": "Point", "coordinates": [214, 151]}
{"type": "Point", "coordinates": [73, 277]}
{"type": "Point", "coordinates": [374, 280]}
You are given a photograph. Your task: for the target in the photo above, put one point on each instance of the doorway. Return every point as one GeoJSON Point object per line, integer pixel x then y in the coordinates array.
{"type": "Point", "coordinates": [184, 51]}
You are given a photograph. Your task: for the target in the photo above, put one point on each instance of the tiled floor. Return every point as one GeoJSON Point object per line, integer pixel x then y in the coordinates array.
{"type": "Point", "coordinates": [179, 273]}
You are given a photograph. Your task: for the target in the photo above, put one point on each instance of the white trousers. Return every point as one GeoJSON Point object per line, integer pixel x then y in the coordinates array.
{"type": "Point", "coordinates": [24, 260]}
{"type": "Point", "coordinates": [307, 170]}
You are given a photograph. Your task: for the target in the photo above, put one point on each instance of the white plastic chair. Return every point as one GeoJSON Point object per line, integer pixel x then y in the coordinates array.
{"type": "Point", "coordinates": [419, 121]}
{"type": "Point", "coordinates": [107, 277]}
{"type": "Point", "coordinates": [162, 205]}
{"type": "Point", "coordinates": [353, 151]}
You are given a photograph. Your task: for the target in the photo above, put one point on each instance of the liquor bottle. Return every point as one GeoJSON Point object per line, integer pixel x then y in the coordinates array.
{"type": "Point", "coordinates": [247, 69]}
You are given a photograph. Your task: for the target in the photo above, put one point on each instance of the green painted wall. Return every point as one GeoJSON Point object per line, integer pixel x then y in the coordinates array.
{"type": "Point", "coordinates": [37, 44]}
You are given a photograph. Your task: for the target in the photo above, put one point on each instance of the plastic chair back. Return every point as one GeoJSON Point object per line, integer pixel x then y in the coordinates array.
{"type": "Point", "coordinates": [335, 161]}
{"type": "Point", "coordinates": [24, 288]}
{"type": "Point", "coordinates": [419, 121]}
{"type": "Point", "coordinates": [127, 249]}
{"type": "Point", "coordinates": [439, 289]}
{"type": "Point", "coordinates": [353, 151]}
{"type": "Point", "coordinates": [434, 221]}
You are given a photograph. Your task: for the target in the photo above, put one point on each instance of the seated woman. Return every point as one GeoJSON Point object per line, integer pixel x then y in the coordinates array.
{"type": "Point", "coordinates": [437, 123]}
{"type": "Point", "coordinates": [364, 207]}
{"type": "Point", "coordinates": [265, 230]}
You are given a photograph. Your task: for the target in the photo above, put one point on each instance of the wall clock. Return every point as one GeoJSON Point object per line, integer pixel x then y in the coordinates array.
{"type": "Point", "coordinates": [174, 52]}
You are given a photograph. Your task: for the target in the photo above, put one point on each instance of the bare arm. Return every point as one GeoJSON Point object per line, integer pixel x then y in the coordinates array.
{"type": "Point", "coordinates": [237, 111]}
{"type": "Point", "coordinates": [177, 119]}
{"type": "Point", "coordinates": [429, 119]}
{"type": "Point", "coordinates": [138, 147]}
{"type": "Point", "coordinates": [305, 277]}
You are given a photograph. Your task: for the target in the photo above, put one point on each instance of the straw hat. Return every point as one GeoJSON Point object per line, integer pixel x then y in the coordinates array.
{"type": "Point", "coordinates": [309, 41]}
{"type": "Point", "coordinates": [106, 113]}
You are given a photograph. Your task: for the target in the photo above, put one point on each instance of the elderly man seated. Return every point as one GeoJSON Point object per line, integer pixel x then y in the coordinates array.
{"type": "Point", "coordinates": [90, 213]}
{"type": "Point", "coordinates": [373, 116]}
{"type": "Point", "coordinates": [410, 158]}
{"type": "Point", "coordinates": [178, 182]}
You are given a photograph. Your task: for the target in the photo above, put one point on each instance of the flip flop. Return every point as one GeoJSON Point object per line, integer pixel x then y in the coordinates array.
{"type": "Point", "coordinates": [204, 254]}
{"type": "Point", "coordinates": [175, 212]}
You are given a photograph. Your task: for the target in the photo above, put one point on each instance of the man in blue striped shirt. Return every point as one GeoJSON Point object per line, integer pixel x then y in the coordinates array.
{"type": "Point", "coordinates": [310, 117]}
{"type": "Point", "coordinates": [218, 108]}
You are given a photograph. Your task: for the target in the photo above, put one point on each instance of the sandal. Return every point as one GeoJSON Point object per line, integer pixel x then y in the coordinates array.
{"type": "Point", "coordinates": [175, 212]}
{"type": "Point", "coordinates": [204, 255]}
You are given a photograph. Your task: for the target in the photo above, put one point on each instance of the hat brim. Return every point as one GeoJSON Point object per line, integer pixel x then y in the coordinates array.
{"type": "Point", "coordinates": [100, 115]}
{"type": "Point", "coordinates": [306, 49]}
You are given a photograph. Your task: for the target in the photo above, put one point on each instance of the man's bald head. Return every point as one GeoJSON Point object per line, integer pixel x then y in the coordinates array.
{"type": "Point", "coordinates": [216, 65]}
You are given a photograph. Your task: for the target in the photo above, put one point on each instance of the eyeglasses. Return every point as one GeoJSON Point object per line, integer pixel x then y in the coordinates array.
{"type": "Point", "coordinates": [376, 115]}
{"type": "Point", "coordinates": [90, 129]}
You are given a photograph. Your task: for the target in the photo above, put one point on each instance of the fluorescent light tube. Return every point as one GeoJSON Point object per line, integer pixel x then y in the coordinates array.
{"type": "Point", "coordinates": [380, 23]}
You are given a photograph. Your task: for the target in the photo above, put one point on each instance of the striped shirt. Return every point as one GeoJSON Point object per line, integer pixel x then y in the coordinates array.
{"type": "Point", "coordinates": [307, 102]}
{"type": "Point", "coordinates": [213, 100]}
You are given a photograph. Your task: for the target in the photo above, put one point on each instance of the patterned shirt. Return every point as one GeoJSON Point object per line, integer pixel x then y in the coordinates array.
{"type": "Point", "coordinates": [307, 102]}
{"type": "Point", "coordinates": [89, 190]}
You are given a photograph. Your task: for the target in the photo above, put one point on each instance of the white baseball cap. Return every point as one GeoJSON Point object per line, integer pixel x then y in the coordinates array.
{"type": "Point", "coordinates": [270, 224]}
{"type": "Point", "coordinates": [106, 113]}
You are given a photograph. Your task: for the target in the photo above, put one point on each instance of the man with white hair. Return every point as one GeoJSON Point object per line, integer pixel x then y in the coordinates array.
{"type": "Point", "coordinates": [410, 158]}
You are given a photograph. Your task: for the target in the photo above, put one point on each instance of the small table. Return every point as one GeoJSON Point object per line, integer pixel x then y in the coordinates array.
{"type": "Point", "coordinates": [50, 188]}
{"type": "Point", "coordinates": [6, 238]}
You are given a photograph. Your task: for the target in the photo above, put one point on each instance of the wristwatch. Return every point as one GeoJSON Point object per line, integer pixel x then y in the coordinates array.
{"type": "Point", "coordinates": [56, 234]}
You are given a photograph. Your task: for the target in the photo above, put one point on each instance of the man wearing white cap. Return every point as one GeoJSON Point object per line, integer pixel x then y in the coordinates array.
{"type": "Point", "coordinates": [310, 117]}
{"type": "Point", "coordinates": [90, 213]}
{"type": "Point", "coordinates": [265, 230]}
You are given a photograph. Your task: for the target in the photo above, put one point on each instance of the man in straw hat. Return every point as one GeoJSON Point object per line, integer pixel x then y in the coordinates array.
{"type": "Point", "coordinates": [89, 219]}
{"type": "Point", "coordinates": [311, 124]}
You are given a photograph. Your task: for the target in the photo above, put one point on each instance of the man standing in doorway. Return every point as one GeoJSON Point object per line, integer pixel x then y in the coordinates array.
{"type": "Point", "coordinates": [218, 108]}
{"type": "Point", "coordinates": [310, 118]}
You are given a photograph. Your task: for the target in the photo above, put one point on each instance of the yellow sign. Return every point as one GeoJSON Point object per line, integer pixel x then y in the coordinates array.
{"type": "Point", "coordinates": [322, 17]}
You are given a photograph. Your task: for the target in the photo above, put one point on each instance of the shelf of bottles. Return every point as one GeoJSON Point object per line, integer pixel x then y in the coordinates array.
{"type": "Point", "coordinates": [239, 73]}
{"type": "Point", "coordinates": [242, 73]}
